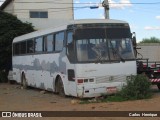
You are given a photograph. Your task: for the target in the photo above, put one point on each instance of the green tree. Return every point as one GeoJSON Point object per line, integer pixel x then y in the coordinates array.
{"type": "Point", "coordinates": [150, 40]}
{"type": "Point", "coordinates": [10, 27]}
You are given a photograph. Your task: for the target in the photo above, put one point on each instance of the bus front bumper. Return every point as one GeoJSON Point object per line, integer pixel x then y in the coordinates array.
{"type": "Point", "coordinates": [96, 90]}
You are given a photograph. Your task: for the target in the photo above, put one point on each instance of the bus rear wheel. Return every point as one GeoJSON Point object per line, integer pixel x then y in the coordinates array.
{"type": "Point", "coordinates": [60, 87]}
{"type": "Point", "coordinates": [24, 82]}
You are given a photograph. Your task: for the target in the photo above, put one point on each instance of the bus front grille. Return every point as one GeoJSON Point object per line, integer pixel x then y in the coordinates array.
{"type": "Point", "coordinates": [109, 79]}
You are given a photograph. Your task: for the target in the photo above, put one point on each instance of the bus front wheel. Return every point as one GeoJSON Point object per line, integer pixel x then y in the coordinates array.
{"type": "Point", "coordinates": [60, 87]}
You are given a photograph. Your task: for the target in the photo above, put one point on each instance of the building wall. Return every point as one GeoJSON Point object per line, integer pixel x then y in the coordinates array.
{"type": "Point", "coordinates": [150, 50]}
{"type": "Point", "coordinates": [59, 12]}
{"type": "Point", "coordinates": [9, 8]}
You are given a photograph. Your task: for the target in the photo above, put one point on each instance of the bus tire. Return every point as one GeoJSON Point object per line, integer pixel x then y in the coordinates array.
{"type": "Point", "coordinates": [24, 82]}
{"type": "Point", "coordinates": [60, 87]}
{"type": "Point", "coordinates": [158, 85]}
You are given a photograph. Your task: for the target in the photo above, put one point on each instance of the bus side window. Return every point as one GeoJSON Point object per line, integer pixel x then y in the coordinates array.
{"type": "Point", "coordinates": [69, 37]}
{"type": "Point", "coordinates": [49, 43]}
{"type": "Point", "coordinates": [59, 39]}
{"type": "Point", "coordinates": [39, 44]}
{"type": "Point", "coordinates": [14, 49]}
{"type": "Point", "coordinates": [30, 46]}
{"type": "Point", "coordinates": [17, 48]}
{"type": "Point", "coordinates": [70, 46]}
{"type": "Point", "coordinates": [23, 47]}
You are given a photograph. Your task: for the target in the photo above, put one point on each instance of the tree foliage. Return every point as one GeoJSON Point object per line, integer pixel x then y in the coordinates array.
{"type": "Point", "coordinates": [150, 40]}
{"type": "Point", "coordinates": [10, 27]}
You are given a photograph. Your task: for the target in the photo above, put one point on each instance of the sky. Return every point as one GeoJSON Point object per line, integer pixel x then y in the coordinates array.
{"type": "Point", "coordinates": [144, 19]}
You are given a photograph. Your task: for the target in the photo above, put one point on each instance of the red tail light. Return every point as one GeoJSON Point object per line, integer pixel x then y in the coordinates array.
{"type": "Point", "coordinates": [144, 66]}
{"type": "Point", "coordinates": [80, 80]}
{"type": "Point", "coordinates": [153, 65]}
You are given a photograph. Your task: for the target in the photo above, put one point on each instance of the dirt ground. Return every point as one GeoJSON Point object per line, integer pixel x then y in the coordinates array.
{"type": "Point", "coordinates": [14, 98]}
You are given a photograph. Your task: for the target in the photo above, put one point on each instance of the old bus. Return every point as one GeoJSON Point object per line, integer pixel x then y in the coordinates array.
{"type": "Point", "coordinates": [85, 58]}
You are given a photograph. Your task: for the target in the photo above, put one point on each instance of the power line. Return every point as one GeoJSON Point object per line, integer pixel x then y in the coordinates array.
{"type": "Point", "coordinates": [64, 8]}
{"type": "Point", "coordinates": [90, 3]}
{"type": "Point", "coordinates": [53, 10]}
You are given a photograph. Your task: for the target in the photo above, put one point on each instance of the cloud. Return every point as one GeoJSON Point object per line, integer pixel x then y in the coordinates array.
{"type": "Point", "coordinates": [151, 28]}
{"type": "Point", "coordinates": [158, 17]}
{"type": "Point", "coordinates": [77, 1]}
{"type": "Point", "coordinates": [133, 26]}
{"type": "Point", "coordinates": [1, 3]}
{"type": "Point", "coordinates": [122, 4]}
{"type": "Point", "coordinates": [102, 16]}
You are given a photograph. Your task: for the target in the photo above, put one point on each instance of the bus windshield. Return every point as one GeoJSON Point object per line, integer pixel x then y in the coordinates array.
{"type": "Point", "coordinates": [103, 45]}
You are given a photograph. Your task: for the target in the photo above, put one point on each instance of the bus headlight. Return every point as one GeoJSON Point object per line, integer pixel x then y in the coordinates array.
{"type": "Point", "coordinates": [91, 80]}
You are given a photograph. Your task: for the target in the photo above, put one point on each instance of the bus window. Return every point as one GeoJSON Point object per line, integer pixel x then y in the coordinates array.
{"type": "Point", "coordinates": [39, 44]}
{"type": "Point", "coordinates": [30, 46]}
{"type": "Point", "coordinates": [69, 37]}
{"type": "Point", "coordinates": [23, 47]}
{"type": "Point", "coordinates": [70, 46]}
{"type": "Point", "coordinates": [13, 49]}
{"type": "Point", "coordinates": [49, 43]}
{"type": "Point", "coordinates": [17, 48]}
{"type": "Point", "coordinates": [59, 38]}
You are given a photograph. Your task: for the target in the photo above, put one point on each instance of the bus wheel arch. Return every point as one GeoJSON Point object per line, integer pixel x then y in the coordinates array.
{"type": "Point", "coordinates": [23, 80]}
{"type": "Point", "coordinates": [59, 86]}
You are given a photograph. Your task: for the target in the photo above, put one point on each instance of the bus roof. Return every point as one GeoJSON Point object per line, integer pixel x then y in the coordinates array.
{"type": "Point", "coordinates": [85, 21]}
{"type": "Point", "coordinates": [63, 27]}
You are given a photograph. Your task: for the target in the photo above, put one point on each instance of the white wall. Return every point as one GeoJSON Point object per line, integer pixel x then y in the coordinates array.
{"type": "Point", "coordinates": [46, 23]}
{"type": "Point", "coordinates": [9, 8]}
{"type": "Point", "coordinates": [59, 12]}
{"type": "Point", "coordinates": [150, 50]}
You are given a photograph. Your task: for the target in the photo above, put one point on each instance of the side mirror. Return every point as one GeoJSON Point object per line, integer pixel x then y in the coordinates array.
{"type": "Point", "coordinates": [134, 41]}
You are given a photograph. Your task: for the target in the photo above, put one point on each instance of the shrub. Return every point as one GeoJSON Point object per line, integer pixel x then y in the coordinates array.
{"type": "Point", "coordinates": [138, 87]}
{"type": "Point", "coordinates": [3, 76]}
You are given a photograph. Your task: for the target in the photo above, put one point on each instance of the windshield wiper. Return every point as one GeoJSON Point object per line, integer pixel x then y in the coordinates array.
{"type": "Point", "coordinates": [121, 58]}
{"type": "Point", "coordinates": [100, 54]}
{"type": "Point", "coordinates": [116, 51]}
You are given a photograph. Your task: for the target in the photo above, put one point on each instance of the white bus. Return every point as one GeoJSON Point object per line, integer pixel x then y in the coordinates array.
{"type": "Point", "coordinates": [85, 58]}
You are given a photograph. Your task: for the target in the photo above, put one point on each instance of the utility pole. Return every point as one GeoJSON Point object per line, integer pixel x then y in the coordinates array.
{"type": "Point", "coordinates": [105, 4]}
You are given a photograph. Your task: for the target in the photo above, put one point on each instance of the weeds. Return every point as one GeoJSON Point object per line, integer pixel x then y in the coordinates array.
{"type": "Point", "coordinates": [138, 87]}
